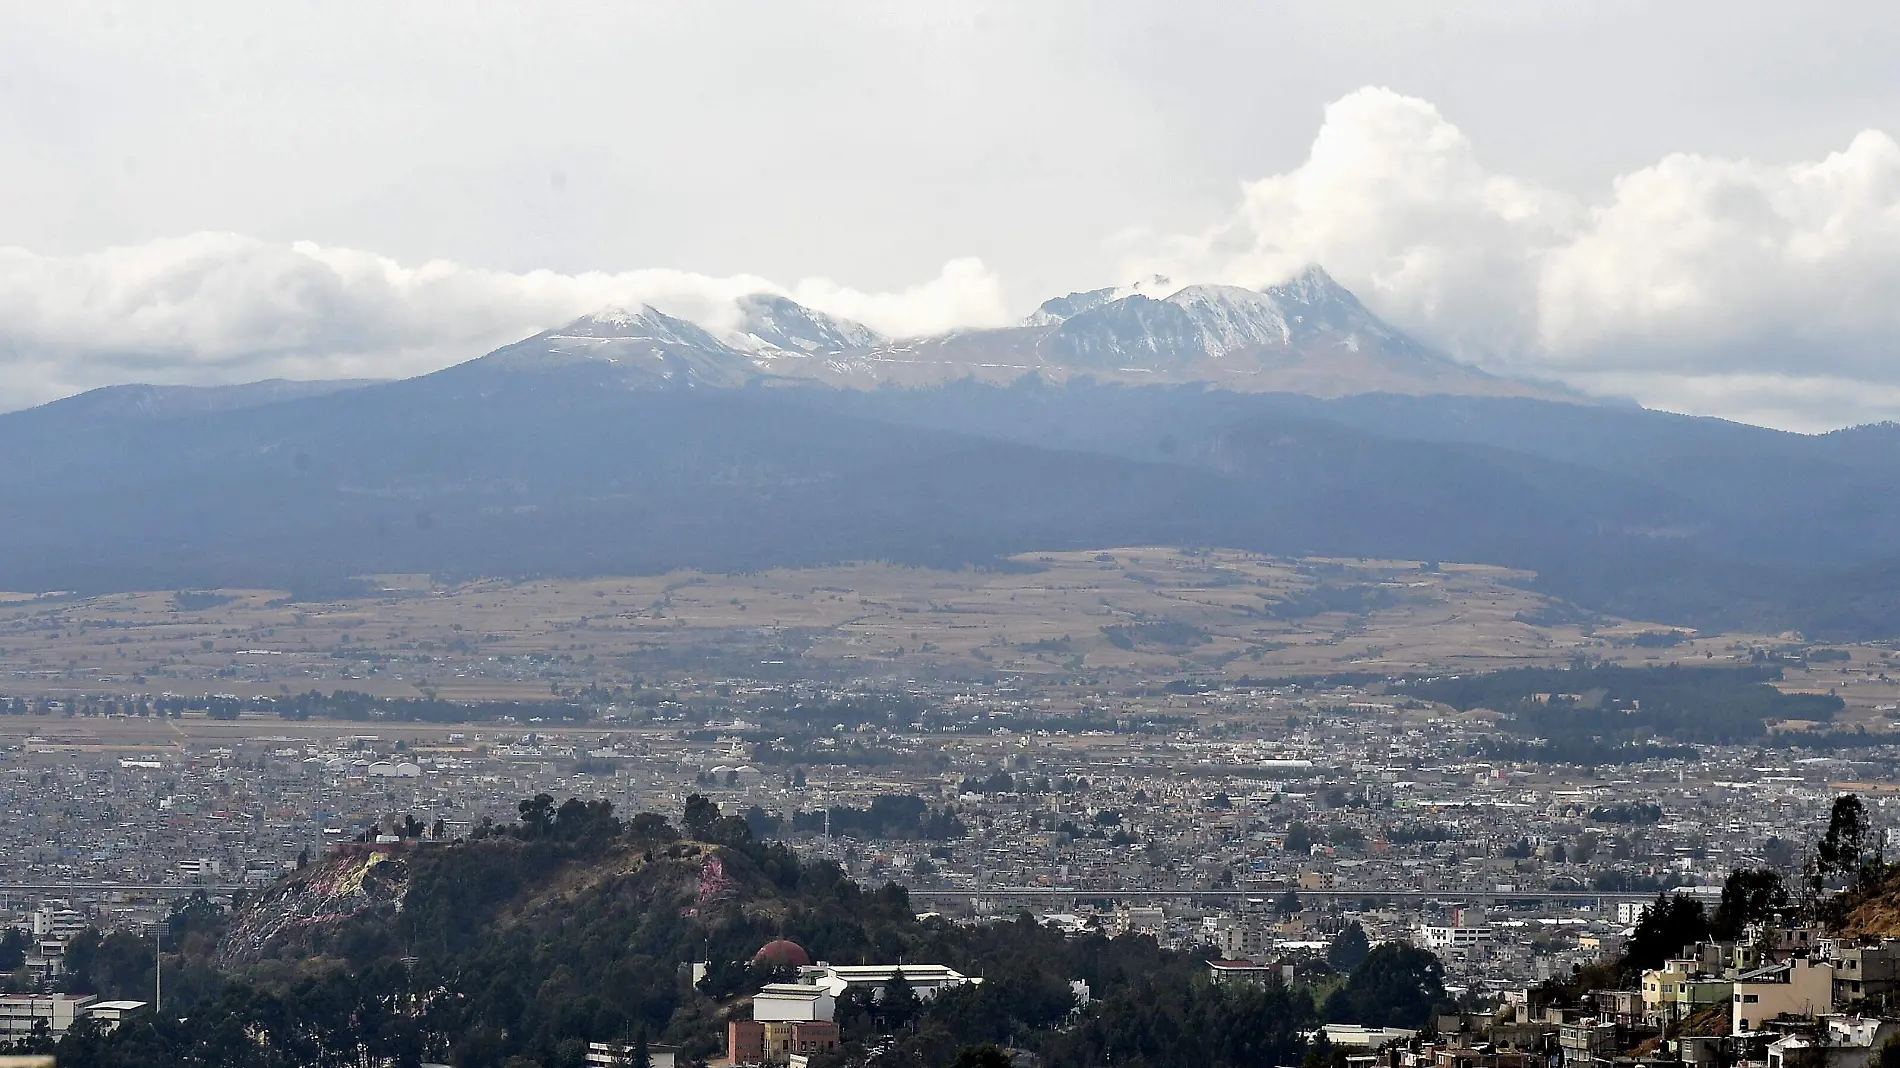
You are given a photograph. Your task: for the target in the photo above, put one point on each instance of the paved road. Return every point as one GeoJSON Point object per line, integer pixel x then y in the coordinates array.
{"type": "Point", "coordinates": [1349, 893]}
{"type": "Point", "coordinates": [1022, 893]}
{"type": "Point", "coordinates": [107, 888]}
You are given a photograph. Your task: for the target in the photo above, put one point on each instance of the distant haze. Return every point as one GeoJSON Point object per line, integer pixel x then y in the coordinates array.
{"type": "Point", "coordinates": [235, 192]}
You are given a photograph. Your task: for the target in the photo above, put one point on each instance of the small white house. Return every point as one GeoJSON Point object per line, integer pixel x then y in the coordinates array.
{"type": "Point", "coordinates": [793, 1003]}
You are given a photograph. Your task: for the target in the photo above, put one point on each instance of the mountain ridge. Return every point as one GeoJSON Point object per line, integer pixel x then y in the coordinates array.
{"type": "Point", "coordinates": [633, 441]}
{"type": "Point", "coordinates": [1309, 335]}
{"type": "Point", "coordinates": [141, 400]}
{"type": "Point", "coordinates": [561, 469]}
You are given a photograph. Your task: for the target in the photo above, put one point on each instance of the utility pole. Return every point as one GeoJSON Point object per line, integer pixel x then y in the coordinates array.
{"type": "Point", "coordinates": [158, 970]}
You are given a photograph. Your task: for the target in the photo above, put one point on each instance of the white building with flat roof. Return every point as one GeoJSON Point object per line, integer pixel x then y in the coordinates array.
{"type": "Point", "coordinates": [20, 1013]}
{"type": "Point", "coordinates": [1355, 1036]}
{"type": "Point", "coordinates": [112, 1013]}
{"type": "Point", "coordinates": [623, 1054]}
{"type": "Point", "coordinates": [925, 980]}
{"type": "Point", "coordinates": [793, 1002]}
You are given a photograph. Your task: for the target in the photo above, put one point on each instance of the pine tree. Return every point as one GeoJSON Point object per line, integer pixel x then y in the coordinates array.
{"type": "Point", "coordinates": [899, 1005]}
{"type": "Point", "coordinates": [1349, 947]}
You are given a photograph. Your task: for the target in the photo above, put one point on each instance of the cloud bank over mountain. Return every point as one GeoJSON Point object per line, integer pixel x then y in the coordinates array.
{"type": "Point", "coordinates": [1756, 290]}
{"type": "Point", "coordinates": [1752, 289]}
{"type": "Point", "coordinates": [218, 308]}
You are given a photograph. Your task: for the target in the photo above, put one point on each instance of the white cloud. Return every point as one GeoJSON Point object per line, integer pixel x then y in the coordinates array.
{"type": "Point", "coordinates": [964, 294]}
{"type": "Point", "coordinates": [1801, 402]}
{"type": "Point", "coordinates": [1756, 276]}
{"type": "Point", "coordinates": [1725, 265]}
{"type": "Point", "coordinates": [225, 308]}
{"type": "Point", "coordinates": [1760, 291]}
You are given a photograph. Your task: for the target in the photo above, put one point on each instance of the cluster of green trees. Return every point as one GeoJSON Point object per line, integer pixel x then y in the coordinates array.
{"type": "Point", "coordinates": [1401, 834]}
{"type": "Point", "coordinates": [1163, 633]}
{"type": "Point", "coordinates": [1627, 812]}
{"type": "Point", "coordinates": [77, 706]}
{"type": "Point", "coordinates": [1355, 599]}
{"type": "Point", "coordinates": [996, 782]}
{"type": "Point", "coordinates": [1613, 706]}
{"type": "Point", "coordinates": [889, 816]}
{"type": "Point", "coordinates": [515, 948]}
{"type": "Point", "coordinates": [781, 712]}
{"type": "Point", "coordinates": [1302, 837]}
{"type": "Point", "coordinates": [199, 600]}
{"type": "Point", "coordinates": [1002, 782]}
{"type": "Point", "coordinates": [1393, 985]}
{"type": "Point", "coordinates": [351, 705]}
{"type": "Point", "coordinates": [1577, 750]}
{"type": "Point", "coordinates": [13, 947]}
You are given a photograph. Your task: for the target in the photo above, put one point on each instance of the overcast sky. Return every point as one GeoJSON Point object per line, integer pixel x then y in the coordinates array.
{"type": "Point", "coordinates": [1694, 204]}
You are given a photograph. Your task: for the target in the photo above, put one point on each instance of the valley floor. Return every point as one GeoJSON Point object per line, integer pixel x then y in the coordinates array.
{"type": "Point", "coordinates": [1113, 617]}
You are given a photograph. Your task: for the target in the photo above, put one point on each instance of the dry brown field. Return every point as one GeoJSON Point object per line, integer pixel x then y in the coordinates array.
{"type": "Point", "coordinates": [1112, 617]}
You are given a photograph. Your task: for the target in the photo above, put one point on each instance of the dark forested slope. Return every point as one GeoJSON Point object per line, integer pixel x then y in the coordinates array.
{"type": "Point", "coordinates": [568, 469]}
{"type": "Point", "coordinates": [521, 945]}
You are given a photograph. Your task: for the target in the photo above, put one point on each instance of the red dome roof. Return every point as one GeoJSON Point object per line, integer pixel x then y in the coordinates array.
{"type": "Point", "coordinates": [782, 953]}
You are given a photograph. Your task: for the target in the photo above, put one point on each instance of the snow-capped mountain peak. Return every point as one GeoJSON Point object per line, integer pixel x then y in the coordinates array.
{"type": "Point", "coordinates": [1315, 304]}
{"type": "Point", "coordinates": [1306, 334]}
{"type": "Point", "coordinates": [1312, 285]}
{"type": "Point", "coordinates": [638, 346]}
{"type": "Point", "coordinates": [644, 323]}
{"type": "Point", "coordinates": [1057, 310]}
{"type": "Point", "coordinates": [617, 317]}
{"type": "Point", "coordinates": [1231, 317]}
{"type": "Point", "coordinates": [769, 324]}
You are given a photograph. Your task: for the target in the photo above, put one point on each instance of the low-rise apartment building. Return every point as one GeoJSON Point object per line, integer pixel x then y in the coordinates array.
{"type": "Point", "coordinates": [1798, 987]}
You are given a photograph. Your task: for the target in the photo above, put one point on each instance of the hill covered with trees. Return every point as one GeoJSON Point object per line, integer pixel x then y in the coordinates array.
{"type": "Point", "coordinates": [517, 946]}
